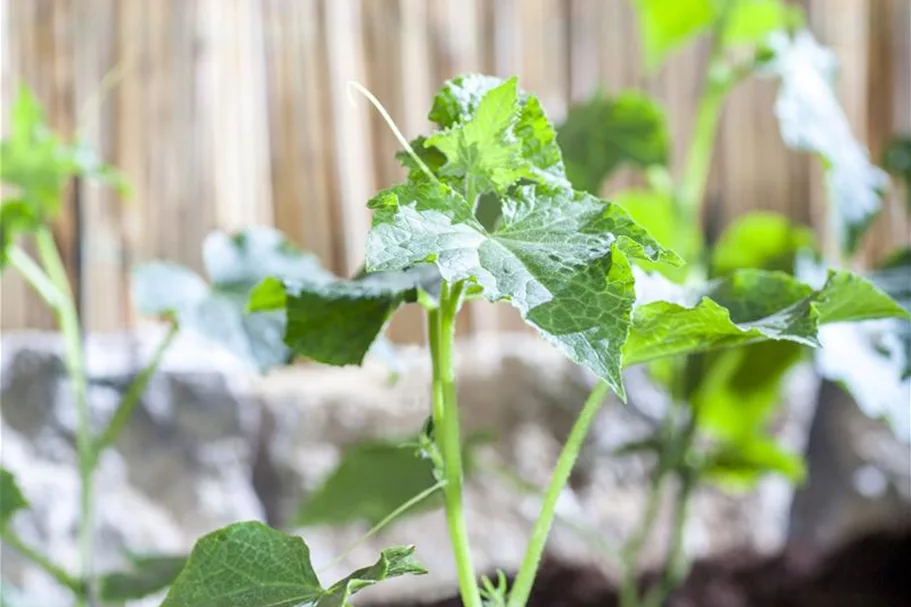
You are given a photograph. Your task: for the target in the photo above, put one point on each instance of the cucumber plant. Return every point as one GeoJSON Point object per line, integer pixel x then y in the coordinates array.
{"type": "Point", "coordinates": [488, 211]}
{"type": "Point", "coordinates": [724, 399]}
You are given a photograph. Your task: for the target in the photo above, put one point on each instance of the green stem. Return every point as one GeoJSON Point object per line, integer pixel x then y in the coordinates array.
{"type": "Point", "coordinates": [629, 590]}
{"type": "Point", "coordinates": [72, 335]}
{"type": "Point", "coordinates": [35, 276]}
{"type": "Point", "coordinates": [525, 578]}
{"type": "Point", "coordinates": [675, 567]}
{"type": "Point", "coordinates": [60, 576]}
{"type": "Point", "coordinates": [447, 435]}
{"type": "Point", "coordinates": [718, 82]}
{"type": "Point", "coordinates": [129, 401]}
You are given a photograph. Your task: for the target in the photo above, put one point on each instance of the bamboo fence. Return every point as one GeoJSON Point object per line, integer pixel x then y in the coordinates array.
{"type": "Point", "coordinates": [232, 113]}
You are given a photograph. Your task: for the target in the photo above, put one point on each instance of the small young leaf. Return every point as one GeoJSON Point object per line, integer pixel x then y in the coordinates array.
{"type": "Point", "coordinates": [740, 465]}
{"type": "Point", "coordinates": [371, 481]}
{"type": "Point", "coordinates": [148, 574]}
{"type": "Point", "coordinates": [483, 150]}
{"type": "Point", "coordinates": [35, 164]}
{"type": "Point", "coordinates": [11, 498]}
{"type": "Point", "coordinates": [493, 134]}
{"type": "Point", "coordinates": [393, 562]}
{"type": "Point", "coordinates": [761, 240]}
{"type": "Point", "coordinates": [558, 256]}
{"type": "Point", "coordinates": [251, 565]}
{"type": "Point", "coordinates": [603, 134]}
{"type": "Point", "coordinates": [812, 120]}
{"type": "Point", "coordinates": [664, 25]}
{"type": "Point", "coordinates": [751, 306]}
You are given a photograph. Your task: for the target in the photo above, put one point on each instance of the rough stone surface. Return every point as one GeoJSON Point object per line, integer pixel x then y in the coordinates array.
{"type": "Point", "coordinates": [211, 444]}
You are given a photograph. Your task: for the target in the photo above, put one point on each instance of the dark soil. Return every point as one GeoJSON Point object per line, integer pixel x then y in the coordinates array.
{"type": "Point", "coordinates": [871, 571]}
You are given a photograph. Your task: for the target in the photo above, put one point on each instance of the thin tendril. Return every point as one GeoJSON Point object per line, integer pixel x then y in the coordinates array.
{"type": "Point", "coordinates": [414, 501]}
{"type": "Point", "coordinates": [392, 127]}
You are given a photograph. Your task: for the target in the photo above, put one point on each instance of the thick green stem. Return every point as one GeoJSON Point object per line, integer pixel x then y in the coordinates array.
{"type": "Point", "coordinates": [447, 435]}
{"type": "Point", "coordinates": [60, 576]}
{"type": "Point", "coordinates": [129, 401]}
{"type": "Point", "coordinates": [521, 589]}
{"type": "Point", "coordinates": [72, 335]}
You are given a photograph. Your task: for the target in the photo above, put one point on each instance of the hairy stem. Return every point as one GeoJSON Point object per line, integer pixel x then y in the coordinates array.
{"type": "Point", "coordinates": [129, 401]}
{"type": "Point", "coordinates": [72, 335]}
{"type": "Point", "coordinates": [60, 576]}
{"type": "Point", "coordinates": [525, 578]}
{"type": "Point", "coordinates": [447, 436]}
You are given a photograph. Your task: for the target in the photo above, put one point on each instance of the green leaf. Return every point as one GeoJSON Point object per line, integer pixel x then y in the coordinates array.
{"type": "Point", "coordinates": [11, 498]}
{"type": "Point", "coordinates": [848, 297]}
{"type": "Point", "coordinates": [370, 482]}
{"type": "Point", "coordinates": [665, 25]}
{"type": "Point", "coordinates": [761, 240]}
{"type": "Point", "coordinates": [752, 306]}
{"type": "Point", "coordinates": [482, 150]}
{"type": "Point", "coordinates": [893, 277]}
{"type": "Point", "coordinates": [235, 264]}
{"type": "Point", "coordinates": [148, 574]}
{"type": "Point", "coordinates": [252, 565]}
{"type": "Point", "coordinates": [752, 21]}
{"type": "Point", "coordinates": [393, 562]}
{"type": "Point", "coordinates": [603, 134]}
{"type": "Point", "coordinates": [558, 256]}
{"type": "Point", "coordinates": [35, 164]}
{"type": "Point", "coordinates": [740, 387]}
{"type": "Point", "coordinates": [897, 160]}
{"type": "Point", "coordinates": [493, 135]}
{"type": "Point", "coordinates": [811, 120]}
{"type": "Point", "coordinates": [656, 212]}
{"type": "Point", "coordinates": [338, 322]}
{"type": "Point", "coordinates": [740, 465]}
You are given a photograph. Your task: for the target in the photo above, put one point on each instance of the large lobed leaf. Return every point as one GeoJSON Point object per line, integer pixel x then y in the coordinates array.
{"type": "Point", "coordinates": [251, 565]}
{"type": "Point", "coordinates": [751, 306]}
{"type": "Point", "coordinates": [559, 256]}
{"type": "Point", "coordinates": [812, 120]}
{"type": "Point", "coordinates": [603, 134]}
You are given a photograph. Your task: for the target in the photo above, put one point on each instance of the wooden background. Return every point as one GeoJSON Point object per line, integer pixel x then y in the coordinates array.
{"type": "Point", "coordinates": [231, 113]}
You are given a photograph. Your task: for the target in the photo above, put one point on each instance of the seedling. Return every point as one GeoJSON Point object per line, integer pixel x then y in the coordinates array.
{"type": "Point", "coordinates": [36, 166]}
{"type": "Point", "coordinates": [562, 257]}
{"type": "Point", "coordinates": [487, 212]}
